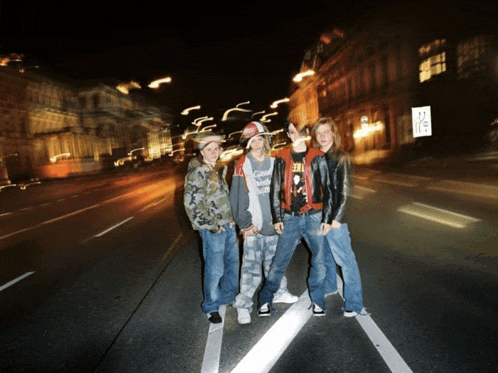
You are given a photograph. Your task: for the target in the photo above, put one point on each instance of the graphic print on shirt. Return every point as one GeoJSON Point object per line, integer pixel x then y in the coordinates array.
{"type": "Point", "coordinates": [263, 181]}
{"type": "Point", "coordinates": [298, 190]}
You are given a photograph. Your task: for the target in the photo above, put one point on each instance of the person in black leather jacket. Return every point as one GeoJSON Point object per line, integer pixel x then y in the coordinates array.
{"type": "Point", "coordinates": [338, 241]}
{"type": "Point", "coordinates": [301, 207]}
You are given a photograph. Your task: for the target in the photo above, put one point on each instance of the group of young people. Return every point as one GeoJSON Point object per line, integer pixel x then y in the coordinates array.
{"type": "Point", "coordinates": [300, 193]}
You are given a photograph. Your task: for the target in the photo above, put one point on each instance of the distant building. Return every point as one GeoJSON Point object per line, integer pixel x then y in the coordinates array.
{"type": "Point", "coordinates": [51, 128]}
{"type": "Point", "coordinates": [368, 77]}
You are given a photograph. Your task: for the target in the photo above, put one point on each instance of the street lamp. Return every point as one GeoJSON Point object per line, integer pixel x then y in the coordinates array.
{"type": "Point", "coordinates": [236, 108]}
{"type": "Point", "coordinates": [8, 155]}
{"type": "Point", "coordinates": [300, 76]}
{"type": "Point", "coordinates": [134, 150]}
{"type": "Point", "coordinates": [263, 118]}
{"type": "Point", "coordinates": [186, 111]}
{"type": "Point", "coordinates": [156, 83]}
{"type": "Point", "coordinates": [278, 102]}
{"type": "Point", "coordinates": [55, 157]}
{"type": "Point", "coordinates": [199, 123]}
{"type": "Point", "coordinates": [206, 128]}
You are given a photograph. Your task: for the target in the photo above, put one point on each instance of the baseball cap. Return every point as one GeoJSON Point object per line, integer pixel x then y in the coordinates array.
{"type": "Point", "coordinates": [252, 130]}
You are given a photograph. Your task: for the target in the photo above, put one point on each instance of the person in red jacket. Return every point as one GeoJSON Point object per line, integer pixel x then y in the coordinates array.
{"type": "Point", "coordinates": [301, 207]}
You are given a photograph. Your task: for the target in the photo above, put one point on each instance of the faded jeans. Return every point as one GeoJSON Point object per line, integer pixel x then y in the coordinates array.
{"type": "Point", "coordinates": [339, 243]}
{"type": "Point", "coordinates": [221, 268]}
{"type": "Point", "coordinates": [296, 228]}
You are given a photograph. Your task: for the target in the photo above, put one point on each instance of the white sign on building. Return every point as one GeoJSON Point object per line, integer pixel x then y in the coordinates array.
{"type": "Point", "coordinates": [421, 119]}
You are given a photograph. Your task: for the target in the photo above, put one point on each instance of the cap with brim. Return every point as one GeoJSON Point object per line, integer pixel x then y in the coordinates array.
{"type": "Point", "coordinates": [207, 137]}
{"type": "Point", "coordinates": [251, 131]}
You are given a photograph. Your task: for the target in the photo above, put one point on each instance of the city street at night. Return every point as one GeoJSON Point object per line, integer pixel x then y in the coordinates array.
{"type": "Point", "coordinates": [109, 279]}
{"type": "Point", "coordinates": [145, 148]}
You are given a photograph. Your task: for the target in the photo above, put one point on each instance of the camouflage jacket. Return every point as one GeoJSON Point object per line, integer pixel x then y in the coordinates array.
{"type": "Point", "coordinates": [206, 196]}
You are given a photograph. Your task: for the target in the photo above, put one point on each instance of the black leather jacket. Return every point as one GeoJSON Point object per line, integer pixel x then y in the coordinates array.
{"type": "Point", "coordinates": [317, 175]}
{"type": "Point", "coordinates": [340, 174]}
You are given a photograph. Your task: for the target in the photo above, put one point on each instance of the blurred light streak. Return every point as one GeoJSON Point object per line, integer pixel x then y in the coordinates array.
{"type": "Point", "coordinates": [243, 103]}
{"type": "Point", "coordinates": [263, 118]}
{"type": "Point", "coordinates": [158, 82]}
{"type": "Point", "coordinates": [259, 112]}
{"type": "Point", "coordinates": [225, 114]}
{"type": "Point", "coordinates": [438, 215]}
{"type": "Point", "coordinates": [127, 87]}
{"type": "Point", "coordinates": [300, 76]}
{"type": "Point", "coordinates": [275, 104]}
{"type": "Point", "coordinates": [187, 110]}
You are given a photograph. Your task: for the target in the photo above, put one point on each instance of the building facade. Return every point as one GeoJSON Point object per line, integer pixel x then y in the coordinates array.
{"type": "Point", "coordinates": [49, 128]}
{"type": "Point", "coordinates": [369, 77]}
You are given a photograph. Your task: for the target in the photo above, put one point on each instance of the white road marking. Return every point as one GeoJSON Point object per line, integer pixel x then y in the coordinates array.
{"type": "Point", "coordinates": [5, 214]}
{"type": "Point", "coordinates": [60, 200]}
{"type": "Point", "coordinates": [392, 358]}
{"type": "Point", "coordinates": [437, 215]}
{"type": "Point", "coordinates": [47, 204]}
{"type": "Point", "coordinates": [211, 360]}
{"type": "Point", "coordinates": [272, 345]}
{"type": "Point", "coordinates": [16, 232]}
{"type": "Point", "coordinates": [26, 208]}
{"type": "Point", "coordinates": [171, 247]}
{"type": "Point", "coordinates": [70, 214]}
{"type": "Point", "coordinates": [113, 227]}
{"type": "Point", "coordinates": [153, 204]}
{"type": "Point", "coordinates": [3, 287]}
{"type": "Point", "coordinates": [402, 183]}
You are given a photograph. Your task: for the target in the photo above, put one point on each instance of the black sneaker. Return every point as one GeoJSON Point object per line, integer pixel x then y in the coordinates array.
{"type": "Point", "coordinates": [214, 317]}
{"type": "Point", "coordinates": [264, 310]}
{"type": "Point", "coordinates": [317, 311]}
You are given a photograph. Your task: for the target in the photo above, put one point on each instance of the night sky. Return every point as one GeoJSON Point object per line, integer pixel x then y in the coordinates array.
{"type": "Point", "coordinates": [218, 55]}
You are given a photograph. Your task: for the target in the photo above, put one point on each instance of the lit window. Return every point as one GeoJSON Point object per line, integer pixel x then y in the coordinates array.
{"type": "Point", "coordinates": [432, 66]}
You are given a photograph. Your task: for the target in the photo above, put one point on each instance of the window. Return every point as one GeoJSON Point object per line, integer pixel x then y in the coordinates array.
{"type": "Point", "coordinates": [432, 66]}
{"type": "Point", "coordinates": [470, 55]}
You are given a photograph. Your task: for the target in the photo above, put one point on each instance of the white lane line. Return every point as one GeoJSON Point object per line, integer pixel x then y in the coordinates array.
{"type": "Point", "coordinates": [272, 345]}
{"type": "Point", "coordinates": [402, 183]}
{"type": "Point", "coordinates": [447, 211]}
{"type": "Point", "coordinates": [171, 247]}
{"type": "Point", "coordinates": [211, 360]}
{"type": "Point", "coordinates": [392, 358]}
{"type": "Point", "coordinates": [5, 214]}
{"type": "Point", "coordinates": [46, 204]}
{"type": "Point", "coordinates": [3, 287]}
{"type": "Point", "coordinates": [113, 227]}
{"type": "Point", "coordinates": [48, 222]}
{"type": "Point", "coordinates": [68, 215]}
{"type": "Point", "coordinates": [76, 195]}
{"type": "Point", "coordinates": [153, 204]}
{"type": "Point", "coordinates": [60, 200]}
{"type": "Point", "coordinates": [17, 232]}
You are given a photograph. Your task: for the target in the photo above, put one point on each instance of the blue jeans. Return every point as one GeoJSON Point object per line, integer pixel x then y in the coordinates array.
{"type": "Point", "coordinates": [339, 244]}
{"type": "Point", "coordinates": [331, 277]}
{"type": "Point", "coordinates": [295, 228]}
{"type": "Point", "coordinates": [221, 268]}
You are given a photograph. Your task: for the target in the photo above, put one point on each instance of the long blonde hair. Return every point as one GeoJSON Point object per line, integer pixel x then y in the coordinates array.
{"type": "Point", "coordinates": [336, 137]}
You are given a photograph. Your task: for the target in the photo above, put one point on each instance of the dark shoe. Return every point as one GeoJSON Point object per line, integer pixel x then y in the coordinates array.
{"type": "Point", "coordinates": [214, 317]}
{"type": "Point", "coordinates": [264, 310]}
{"type": "Point", "coordinates": [317, 311]}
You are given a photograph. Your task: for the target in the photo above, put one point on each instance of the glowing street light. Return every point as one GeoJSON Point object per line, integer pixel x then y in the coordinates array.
{"type": "Point", "coordinates": [243, 103]}
{"type": "Point", "coordinates": [300, 76]}
{"type": "Point", "coordinates": [199, 123]}
{"type": "Point", "coordinates": [206, 128]}
{"type": "Point", "coordinates": [55, 157]}
{"type": "Point", "coordinates": [263, 118]}
{"type": "Point", "coordinates": [278, 102]}
{"type": "Point", "coordinates": [8, 155]}
{"type": "Point", "coordinates": [233, 133]}
{"type": "Point", "coordinates": [134, 150]}
{"type": "Point", "coordinates": [156, 83]}
{"type": "Point", "coordinates": [186, 111]}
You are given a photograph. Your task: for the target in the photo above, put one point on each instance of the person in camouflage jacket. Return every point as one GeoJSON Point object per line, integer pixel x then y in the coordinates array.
{"type": "Point", "coordinates": [206, 201]}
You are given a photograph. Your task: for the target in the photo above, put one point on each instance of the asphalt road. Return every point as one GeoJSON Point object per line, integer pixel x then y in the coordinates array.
{"type": "Point", "coordinates": [104, 274]}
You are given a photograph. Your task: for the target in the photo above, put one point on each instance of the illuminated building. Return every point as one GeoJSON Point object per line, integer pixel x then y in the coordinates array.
{"type": "Point", "coordinates": [369, 76]}
{"type": "Point", "coordinates": [42, 118]}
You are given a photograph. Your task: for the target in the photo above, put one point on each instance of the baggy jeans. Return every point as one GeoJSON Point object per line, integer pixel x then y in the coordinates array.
{"type": "Point", "coordinates": [221, 268]}
{"type": "Point", "coordinates": [259, 251]}
{"type": "Point", "coordinates": [339, 244]}
{"type": "Point", "coordinates": [295, 228]}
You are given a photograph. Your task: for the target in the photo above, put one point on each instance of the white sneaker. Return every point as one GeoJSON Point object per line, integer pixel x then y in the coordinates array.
{"type": "Point", "coordinates": [286, 297]}
{"type": "Point", "coordinates": [243, 316]}
{"type": "Point", "coordinates": [348, 313]}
